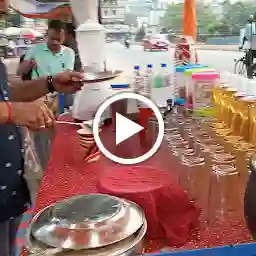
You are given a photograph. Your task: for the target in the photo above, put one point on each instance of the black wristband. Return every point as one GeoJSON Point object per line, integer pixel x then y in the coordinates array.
{"type": "Point", "coordinates": [50, 85]}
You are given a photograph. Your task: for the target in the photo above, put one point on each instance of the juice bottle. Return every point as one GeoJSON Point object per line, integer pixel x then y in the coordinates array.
{"type": "Point", "coordinates": [226, 102]}
{"type": "Point", "coordinates": [218, 92]}
{"type": "Point", "coordinates": [246, 105]}
{"type": "Point", "coordinates": [252, 126]}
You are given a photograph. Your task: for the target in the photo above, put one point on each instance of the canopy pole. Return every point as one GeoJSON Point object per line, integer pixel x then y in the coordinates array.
{"type": "Point", "coordinates": [189, 19]}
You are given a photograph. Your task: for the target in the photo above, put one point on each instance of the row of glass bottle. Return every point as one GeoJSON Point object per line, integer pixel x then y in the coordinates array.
{"type": "Point", "coordinates": [234, 100]}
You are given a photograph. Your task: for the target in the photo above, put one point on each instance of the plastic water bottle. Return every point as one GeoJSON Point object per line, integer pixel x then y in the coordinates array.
{"type": "Point", "coordinates": [165, 75]}
{"type": "Point", "coordinates": [138, 80]}
{"type": "Point", "coordinates": [148, 81]}
{"type": "Point", "coordinates": [161, 79]}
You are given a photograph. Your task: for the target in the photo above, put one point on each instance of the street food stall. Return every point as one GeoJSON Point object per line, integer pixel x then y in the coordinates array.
{"type": "Point", "coordinates": [191, 191]}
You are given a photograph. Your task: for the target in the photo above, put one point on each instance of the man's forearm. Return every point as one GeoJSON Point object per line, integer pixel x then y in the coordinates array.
{"type": "Point", "coordinates": [28, 90]}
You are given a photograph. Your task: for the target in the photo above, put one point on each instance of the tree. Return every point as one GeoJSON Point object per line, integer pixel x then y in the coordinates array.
{"type": "Point", "coordinates": [235, 15]}
{"type": "Point", "coordinates": [229, 18]}
{"type": "Point", "coordinates": [173, 18]}
{"type": "Point", "coordinates": [14, 18]}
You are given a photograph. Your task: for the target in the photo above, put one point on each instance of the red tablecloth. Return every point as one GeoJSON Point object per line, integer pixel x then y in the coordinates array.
{"type": "Point", "coordinates": [68, 175]}
{"type": "Point", "coordinates": [170, 214]}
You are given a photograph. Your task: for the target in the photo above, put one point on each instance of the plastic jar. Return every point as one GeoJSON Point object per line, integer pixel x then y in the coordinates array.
{"type": "Point", "coordinates": [200, 89]}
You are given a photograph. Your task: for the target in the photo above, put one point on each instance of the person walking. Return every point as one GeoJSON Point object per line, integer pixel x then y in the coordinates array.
{"type": "Point", "coordinates": [44, 59]}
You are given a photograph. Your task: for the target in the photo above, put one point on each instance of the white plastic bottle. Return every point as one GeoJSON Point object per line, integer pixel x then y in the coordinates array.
{"type": "Point", "coordinates": [165, 75]}
{"type": "Point", "coordinates": [137, 80]}
{"type": "Point", "coordinates": [148, 82]}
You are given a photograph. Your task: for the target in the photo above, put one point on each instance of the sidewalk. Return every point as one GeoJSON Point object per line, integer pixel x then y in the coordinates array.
{"type": "Point", "coordinates": [217, 47]}
{"type": "Point", "coordinates": [209, 47]}
{"type": "Point", "coordinates": [214, 47]}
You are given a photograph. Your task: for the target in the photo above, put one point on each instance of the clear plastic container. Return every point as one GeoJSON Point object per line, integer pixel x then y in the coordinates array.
{"type": "Point", "coordinates": [200, 89]}
{"type": "Point", "coordinates": [181, 79]}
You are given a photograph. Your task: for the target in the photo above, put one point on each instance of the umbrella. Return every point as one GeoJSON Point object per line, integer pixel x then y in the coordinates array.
{"type": "Point", "coordinates": [43, 9]}
{"type": "Point", "coordinates": [46, 9]}
{"type": "Point", "coordinates": [189, 19]}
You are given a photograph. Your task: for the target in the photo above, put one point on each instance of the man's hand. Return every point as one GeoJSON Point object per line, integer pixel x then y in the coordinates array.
{"type": "Point", "coordinates": [26, 66]}
{"type": "Point", "coordinates": [68, 82]}
{"type": "Point", "coordinates": [33, 115]}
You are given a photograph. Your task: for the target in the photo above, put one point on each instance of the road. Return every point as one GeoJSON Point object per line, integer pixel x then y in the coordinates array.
{"type": "Point", "coordinates": [122, 58]}
{"type": "Point", "coordinates": [119, 57]}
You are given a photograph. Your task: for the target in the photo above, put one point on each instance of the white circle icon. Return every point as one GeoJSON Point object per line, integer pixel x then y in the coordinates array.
{"type": "Point", "coordinates": [126, 128]}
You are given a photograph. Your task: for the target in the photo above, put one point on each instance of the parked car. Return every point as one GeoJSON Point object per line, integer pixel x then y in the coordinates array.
{"type": "Point", "coordinates": [155, 43]}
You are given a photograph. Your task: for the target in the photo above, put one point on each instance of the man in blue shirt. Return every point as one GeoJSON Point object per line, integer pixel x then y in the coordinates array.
{"type": "Point", "coordinates": [19, 108]}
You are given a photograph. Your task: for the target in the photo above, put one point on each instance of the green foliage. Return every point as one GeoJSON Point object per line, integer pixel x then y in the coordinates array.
{"type": "Point", "coordinates": [228, 18]}
{"type": "Point", "coordinates": [13, 19]}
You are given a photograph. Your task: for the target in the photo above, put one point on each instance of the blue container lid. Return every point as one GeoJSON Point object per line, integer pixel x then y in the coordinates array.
{"type": "Point", "coordinates": [116, 86]}
{"type": "Point", "coordinates": [183, 68]}
{"type": "Point", "coordinates": [136, 67]}
{"type": "Point", "coordinates": [179, 101]}
{"type": "Point", "coordinates": [163, 65]}
{"type": "Point", "coordinates": [149, 66]}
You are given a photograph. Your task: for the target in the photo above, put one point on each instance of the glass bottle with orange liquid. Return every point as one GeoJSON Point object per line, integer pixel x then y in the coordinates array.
{"type": "Point", "coordinates": [252, 125]}
{"type": "Point", "coordinates": [218, 91]}
{"type": "Point", "coordinates": [246, 104]}
{"type": "Point", "coordinates": [225, 99]}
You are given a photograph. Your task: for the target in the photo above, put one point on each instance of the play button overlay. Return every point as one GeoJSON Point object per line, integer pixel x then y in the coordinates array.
{"type": "Point", "coordinates": [127, 130]}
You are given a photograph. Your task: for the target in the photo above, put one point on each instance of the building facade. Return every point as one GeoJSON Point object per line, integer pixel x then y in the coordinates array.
{"type": "Point", "coordinates": [113, 12]}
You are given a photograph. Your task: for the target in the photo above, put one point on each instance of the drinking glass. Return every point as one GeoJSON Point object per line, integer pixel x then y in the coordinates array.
{"type": "Point", "coordinates": [223, 158]}
{"type": "Point", "coordinates": [177, 146]}
{"type": "Point", "coordinates": [191, 178]}
{"type": "Point", "coordinates": [224, 201]}
{"type": "Point", "coordinates": [120, 107]}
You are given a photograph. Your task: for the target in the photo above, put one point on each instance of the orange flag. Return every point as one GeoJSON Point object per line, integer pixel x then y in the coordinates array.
{"type": "Point", "coordinates": [189, 19]}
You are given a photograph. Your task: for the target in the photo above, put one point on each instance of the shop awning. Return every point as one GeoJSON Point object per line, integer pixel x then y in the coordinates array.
{"type": "Point", "coordinates": [48, 9]}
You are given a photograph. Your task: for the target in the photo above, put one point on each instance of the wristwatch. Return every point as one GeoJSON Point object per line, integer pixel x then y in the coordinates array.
{"type": "Point", "coordinates": [50, 85]}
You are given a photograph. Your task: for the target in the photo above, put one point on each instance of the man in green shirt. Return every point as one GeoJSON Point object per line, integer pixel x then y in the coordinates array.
{"type": "Point", "coordinates": [46, 59]}
{"type": "Point", "coordinates": [51, 57]}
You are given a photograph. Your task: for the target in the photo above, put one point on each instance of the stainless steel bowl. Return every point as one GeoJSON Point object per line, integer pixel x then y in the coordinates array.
{"type": "Point", "coordinates": [87, 222]}
{"type": "Point", "coordinates": [131, 246]}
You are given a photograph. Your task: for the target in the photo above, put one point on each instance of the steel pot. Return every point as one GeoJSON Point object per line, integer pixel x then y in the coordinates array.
{"type": "Point", "coordinates": [87, 222]}
{"type": "Point", "coordinates": [131, 246]}
{"type": "Point", "coordinates": [95, 224]}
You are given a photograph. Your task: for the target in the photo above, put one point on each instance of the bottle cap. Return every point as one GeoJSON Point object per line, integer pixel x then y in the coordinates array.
{"type": "Point", "coordinates": [169, 102]}
{"type": "Point", "coordinates": [149, 65]}
{"type": "Point", "coordinates": [163, 65]}
{"type": "Point", "coordinates": [136, 67]}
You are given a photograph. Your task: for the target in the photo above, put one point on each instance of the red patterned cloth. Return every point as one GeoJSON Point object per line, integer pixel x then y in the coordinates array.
{"type": "Point", "coordinates": [170, 214]}
{"type": "Point", "coordinates": [185, 53]}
